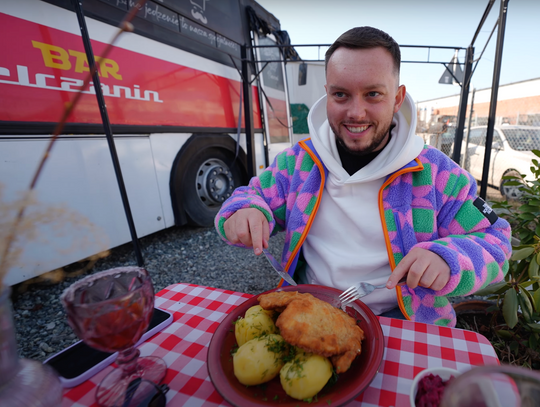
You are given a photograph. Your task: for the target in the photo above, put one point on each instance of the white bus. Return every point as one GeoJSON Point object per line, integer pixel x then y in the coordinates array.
{"type": "Point", "coordinates": [173, 93]}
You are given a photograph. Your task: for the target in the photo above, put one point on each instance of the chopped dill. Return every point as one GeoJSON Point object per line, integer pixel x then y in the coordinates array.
{"type": "Point", "coordinates": [310, 400]}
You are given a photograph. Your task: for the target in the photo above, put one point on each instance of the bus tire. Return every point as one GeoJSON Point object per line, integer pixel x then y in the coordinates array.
{"type": "Point", "coordinates": [207, 180]}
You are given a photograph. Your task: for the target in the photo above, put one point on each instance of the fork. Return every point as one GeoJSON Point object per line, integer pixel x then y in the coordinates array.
{"type": "Point", "coordinates": [360, 290]}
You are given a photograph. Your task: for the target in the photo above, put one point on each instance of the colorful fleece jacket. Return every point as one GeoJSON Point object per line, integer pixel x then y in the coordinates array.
{"type": "Point", "coordinates": [430, 203]}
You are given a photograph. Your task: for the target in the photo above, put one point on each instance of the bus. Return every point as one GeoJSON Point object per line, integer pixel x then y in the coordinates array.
{"type": "Point", "coordinates": [177, 91]}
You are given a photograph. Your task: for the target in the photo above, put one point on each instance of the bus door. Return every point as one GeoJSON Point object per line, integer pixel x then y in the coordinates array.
{"type": "Point", "coordinates": [273, 96]}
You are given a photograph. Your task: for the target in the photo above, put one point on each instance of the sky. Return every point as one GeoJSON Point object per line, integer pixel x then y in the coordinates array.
{"type": "Point", "coordinates": [428, 23]}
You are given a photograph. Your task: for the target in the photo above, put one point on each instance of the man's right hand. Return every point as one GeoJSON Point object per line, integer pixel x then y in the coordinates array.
{"type": "Point", "coordinates": [249, 227]}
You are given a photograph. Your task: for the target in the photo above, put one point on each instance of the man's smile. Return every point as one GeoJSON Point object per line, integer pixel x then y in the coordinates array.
{"type": "Point", "coordinates": [356, 129]}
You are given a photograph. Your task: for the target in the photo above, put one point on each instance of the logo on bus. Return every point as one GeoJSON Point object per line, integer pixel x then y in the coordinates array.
{"type": "Point", "coordinates": [58, 58]}
{"type": "Point", "coordinates": [199, 7]}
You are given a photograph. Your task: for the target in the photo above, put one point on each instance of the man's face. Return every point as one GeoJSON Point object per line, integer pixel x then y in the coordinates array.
{"type": "Point", "coordinates": [362, 97]}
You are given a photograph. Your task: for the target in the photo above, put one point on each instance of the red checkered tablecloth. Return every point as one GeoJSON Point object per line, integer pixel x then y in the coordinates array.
{"type": "Point", "coordinates": [409, 348]}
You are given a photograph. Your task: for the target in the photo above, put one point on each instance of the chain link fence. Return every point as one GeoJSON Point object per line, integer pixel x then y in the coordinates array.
{"type": "Point", "coordinates": [516, 133]}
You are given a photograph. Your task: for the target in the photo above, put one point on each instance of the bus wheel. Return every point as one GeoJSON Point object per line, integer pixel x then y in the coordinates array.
{"type": "Point", "coordinates": [209, 180]}
{"type": "Point", "coordinates": [511, 192]}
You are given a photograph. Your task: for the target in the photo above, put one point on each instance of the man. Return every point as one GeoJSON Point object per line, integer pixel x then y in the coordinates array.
{"type": "Point", "coordinates": [365, 200]}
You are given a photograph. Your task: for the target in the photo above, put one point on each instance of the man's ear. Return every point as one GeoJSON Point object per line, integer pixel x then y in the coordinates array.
{"type": "Point", "coordinates": [400, 97]}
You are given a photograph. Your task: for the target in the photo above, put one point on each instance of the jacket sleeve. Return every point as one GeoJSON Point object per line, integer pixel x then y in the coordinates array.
{"type": "Point", "coordinates": [267, 192]}
{"type": "Point", "coordinates": [473, 240]}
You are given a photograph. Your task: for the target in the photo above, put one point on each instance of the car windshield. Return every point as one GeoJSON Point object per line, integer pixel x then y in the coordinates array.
{"type": "Point", "coordinates": [523, 139]}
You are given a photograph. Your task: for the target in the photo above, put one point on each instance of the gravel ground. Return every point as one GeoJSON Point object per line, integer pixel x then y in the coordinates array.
{"type": "Point", "coordinates": [178, 254]}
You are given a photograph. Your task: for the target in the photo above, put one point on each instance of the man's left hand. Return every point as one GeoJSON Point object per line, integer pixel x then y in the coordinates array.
{"type": "Point", "coordinates": [423, 268]}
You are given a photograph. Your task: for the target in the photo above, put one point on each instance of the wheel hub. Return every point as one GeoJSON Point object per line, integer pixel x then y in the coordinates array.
{"type": "Point", "coordinates": [215, 182]}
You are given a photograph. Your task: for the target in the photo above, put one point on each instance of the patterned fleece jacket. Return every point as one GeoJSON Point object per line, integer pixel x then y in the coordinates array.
{"type": "Point", "coordinates": [430, 203]}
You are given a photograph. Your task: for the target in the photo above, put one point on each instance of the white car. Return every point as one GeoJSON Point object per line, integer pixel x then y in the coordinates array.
{"type": "Point", "coordinates": [510, 155]}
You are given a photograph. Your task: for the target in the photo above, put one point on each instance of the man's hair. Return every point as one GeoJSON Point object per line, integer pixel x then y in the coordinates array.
{"type": "Point", "coordinates": [365, 38]}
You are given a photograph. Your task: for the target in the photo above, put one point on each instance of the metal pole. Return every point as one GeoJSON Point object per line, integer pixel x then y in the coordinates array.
{"type": "Point", "coordinates": [494, 94]}
{"type": "Point", "coordinates": [108, 131]}
{"type": "Point", "coordinates": [248, 112]}
{"type": "Point", "coordinates": [458, 137]}
{"type": "Point", "coordinates": [471, 110]}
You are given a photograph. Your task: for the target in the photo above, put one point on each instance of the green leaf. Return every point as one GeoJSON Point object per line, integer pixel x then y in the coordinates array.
{"type": "Point", "coordinates": [507, 334]}
{"type": "Point", "coordinates": [510, 308]}
{"type": "Point", "coordinates": [533, 267]}
{"type": "Point", "coordinates": [538, 255]}
{"type": "Point", "coordinates": [534, 201]}
{"type": "Point", "coordinates": [529, 208]}
{"type": "Point", "coordinates": [525, 304]}
{"type": "Point", "coordinates": [534, 327]}
{"type": "Point", "coordinates": [522, 253]}
{"type": "Point", "coordinates": [490, 289]}
{"type": "Point", "coordinates": [527, 293]}
{"type": "Point", "coordinates": [492, 309]}
{"type": "Point", "coordinates": [533, 341]}
{"type": "Point", "coordinates": [527, 216]}
{"type": "Point", "coordinates": [536, 297]}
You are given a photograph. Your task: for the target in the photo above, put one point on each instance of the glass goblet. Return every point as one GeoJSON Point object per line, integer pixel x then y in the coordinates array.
{"type": "Point", "coordinates": [110, 311]}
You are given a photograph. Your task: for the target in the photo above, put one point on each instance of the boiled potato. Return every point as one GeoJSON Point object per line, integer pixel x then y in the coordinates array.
{"type": "Point", "coordinates": [259, 360]}
{"type": "Point", "coordinates": [257, 309]}
{"type": "Point", "coordinates": [257, 322]}
{"type": "Point", "coordinates": [305, 375]}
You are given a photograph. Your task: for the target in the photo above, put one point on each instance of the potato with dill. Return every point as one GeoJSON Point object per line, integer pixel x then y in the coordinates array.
{"type": "Point", "coordinates": [304, 376]}
{"type": "Point", "coordinates": [260, 359]}
{"type": "Point", "coordinates": [256, 322]}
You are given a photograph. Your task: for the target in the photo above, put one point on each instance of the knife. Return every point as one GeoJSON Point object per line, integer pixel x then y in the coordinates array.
{"type": "Point", "coordinates": [278, 268]}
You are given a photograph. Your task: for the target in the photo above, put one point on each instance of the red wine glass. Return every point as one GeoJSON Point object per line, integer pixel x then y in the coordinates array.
{"type": "Point", "coordinates": [110, 311]}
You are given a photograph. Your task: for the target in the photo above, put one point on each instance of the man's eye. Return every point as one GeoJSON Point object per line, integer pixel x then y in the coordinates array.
{"type": "Point", "coordinates": [339, 94]}
{"type": "Point", "coordinates": [373, 94]}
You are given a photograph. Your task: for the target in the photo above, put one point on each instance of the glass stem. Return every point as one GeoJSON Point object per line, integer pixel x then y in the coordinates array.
{"type": "Point", "coordinates": [127, 360]}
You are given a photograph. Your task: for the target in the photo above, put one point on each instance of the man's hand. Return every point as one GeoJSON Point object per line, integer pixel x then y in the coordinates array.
{"type": "Point", "coordinates": [249, 227]}
{"type": "Point", "coordinates": [423, 268]}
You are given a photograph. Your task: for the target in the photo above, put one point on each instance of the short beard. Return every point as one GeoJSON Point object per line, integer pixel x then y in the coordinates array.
{"type": "Point", "coordinates": [375, 143]}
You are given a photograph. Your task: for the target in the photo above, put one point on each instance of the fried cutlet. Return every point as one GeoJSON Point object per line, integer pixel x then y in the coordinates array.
{"type": "Point", "coordinates": [316, 326]}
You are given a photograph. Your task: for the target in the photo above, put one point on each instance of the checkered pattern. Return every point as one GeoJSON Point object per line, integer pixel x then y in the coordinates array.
{"type": "Point", "coordinates": [409, 348]}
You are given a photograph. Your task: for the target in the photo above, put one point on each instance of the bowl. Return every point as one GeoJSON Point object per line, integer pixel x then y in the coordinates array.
{"type": "Point", "coordinates": [444, 373]}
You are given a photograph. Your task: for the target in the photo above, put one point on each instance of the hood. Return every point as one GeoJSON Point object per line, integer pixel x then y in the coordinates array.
{"type": "Point", "coordinates": [404, 146]}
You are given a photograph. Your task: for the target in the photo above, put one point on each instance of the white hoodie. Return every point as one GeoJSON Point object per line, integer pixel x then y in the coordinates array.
{"type": "Point", "coordinates": [345, 244]}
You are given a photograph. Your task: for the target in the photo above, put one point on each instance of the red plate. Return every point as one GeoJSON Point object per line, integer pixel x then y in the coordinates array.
{"type": "Point", "coordinates": [349, 385]}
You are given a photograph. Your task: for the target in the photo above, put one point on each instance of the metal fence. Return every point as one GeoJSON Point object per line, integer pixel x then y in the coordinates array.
{"type": "Point", "coordinates": [516, 133]}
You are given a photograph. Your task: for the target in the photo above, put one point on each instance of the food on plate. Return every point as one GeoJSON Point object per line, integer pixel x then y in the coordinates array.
{"type": "Point", "coordinates": [430, 390]}
{"type": "Point", "coordinates": [316, 326]}
{"type": "Point", "coordinates": [256, 322]}
{"type": "Point", "coordinates": [259, 360]}
{"type": "Point", "coordinates": [304, 376]}
{"type": "Point", "coordinates": [257, 309]}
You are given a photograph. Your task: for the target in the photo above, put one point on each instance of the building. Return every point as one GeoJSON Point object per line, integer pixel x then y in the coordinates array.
{"type": "Point", "coordinates": [517, 103]}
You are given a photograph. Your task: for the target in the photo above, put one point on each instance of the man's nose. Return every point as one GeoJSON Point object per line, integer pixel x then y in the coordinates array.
{"type": "Point", "coordinates": [357, 109]}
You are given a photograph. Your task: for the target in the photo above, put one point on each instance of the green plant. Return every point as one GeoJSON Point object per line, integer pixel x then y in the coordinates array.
{"type": "Point", "coordinates": [518, 297]}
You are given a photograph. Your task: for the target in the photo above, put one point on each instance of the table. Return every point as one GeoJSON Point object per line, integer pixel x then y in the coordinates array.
{"type": "Point", "coordinates": [409, 348]}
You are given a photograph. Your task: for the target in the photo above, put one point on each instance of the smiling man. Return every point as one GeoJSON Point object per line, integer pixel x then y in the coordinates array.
{"type": "Point", "coordinates": [363, 199]}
